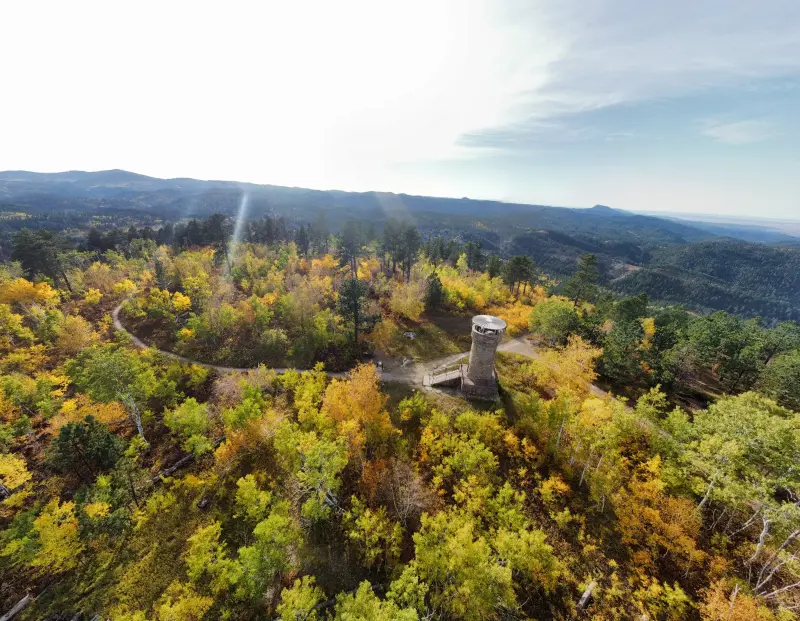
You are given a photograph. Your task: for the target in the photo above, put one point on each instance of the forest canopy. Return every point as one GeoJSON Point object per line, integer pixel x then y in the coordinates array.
{"type": "Point", "coordinates": [199, 427]}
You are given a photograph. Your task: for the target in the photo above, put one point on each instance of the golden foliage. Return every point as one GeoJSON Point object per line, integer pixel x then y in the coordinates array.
{"type": "Point", "coordinates": [182, 603]}
{"type": "Point", "coordinates": [73, 335]}
{"type": "Point", "coordinates": [124, 287]}
{"type": "Point", "coordinates": [27, 360]}
{"type": "Point", "coordinates": [13, 471]}
{"type": "Point", "coordinates": [24, 292]}
{"type": "Point", "coordinates": [181, 302]}
{"type": "Point", "coordinates": [516, 315]}
{"type": "Point", "coordinates": [357, 405]}
{"type": "Point", "coordinates": [649, 328]}
{"type": "Point", "coordinates": [722, 602]}
{"type": "Point", "coordinates": [468, 290]}
{"type": "Point", "coordinates": [384, 334]}
{"type": "Point", "coordinates": [568, 369]}
{"type": "Point", "coordinates": [408, 299]}
{"type": "Point", "coordinates": [368, 268]}
{"type": "Point", "coordinates": [93, 296]}
{"type": "Point", "coordinates": [57, 531]}
{"type": "Point", "coordinates": [77, 409]}
{"type": "Point", "coordinates": [99, 276]}
{"type": "Point", "coordinates": [96, 510]}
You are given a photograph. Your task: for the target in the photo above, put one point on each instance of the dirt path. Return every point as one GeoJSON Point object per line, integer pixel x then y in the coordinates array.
{"type": "Point", "coordinates": [217, 367]}
{"type": "Point", "coordinates": [413, 373]}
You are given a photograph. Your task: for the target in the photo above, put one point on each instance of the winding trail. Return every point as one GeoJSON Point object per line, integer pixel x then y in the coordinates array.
{"type": "Point", "coordinates": [413, 373]}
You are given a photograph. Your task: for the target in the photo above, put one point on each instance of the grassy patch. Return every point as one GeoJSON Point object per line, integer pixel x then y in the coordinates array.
{"type": "Point", "coordinates": [431, 340]}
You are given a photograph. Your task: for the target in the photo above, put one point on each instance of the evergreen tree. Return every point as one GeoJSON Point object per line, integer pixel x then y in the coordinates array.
{"type": "Point", "coordinates": [519, 270]}
{"type": "Point", "coordinates": [350, 244]}
{"type": "Point", "coordinates": [39, 253]}
{"type": "Point", "coordinates": [494, 266]}
{"type": "Point", "coordinates": [351, 304]}
{"type": "Point", "coordinates": [85, 448]}
{"type": "Point", "coordinates": [302, 240]}
{"type": "Point", "coordinates": [435, 293]}
{"type": "Point", "coordinates": [583, 285]}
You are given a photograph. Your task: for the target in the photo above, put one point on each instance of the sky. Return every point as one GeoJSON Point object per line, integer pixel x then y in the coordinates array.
{"type": "Point", "coordinates": [679, 106]}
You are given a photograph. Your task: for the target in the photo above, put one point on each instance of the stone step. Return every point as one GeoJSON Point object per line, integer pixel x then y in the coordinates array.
{"type": "Point", "coordinates": [449, 378]}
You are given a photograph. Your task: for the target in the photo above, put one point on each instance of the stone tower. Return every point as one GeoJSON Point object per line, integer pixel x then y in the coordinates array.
{"type": "Point", "coordinates": [480, 379]}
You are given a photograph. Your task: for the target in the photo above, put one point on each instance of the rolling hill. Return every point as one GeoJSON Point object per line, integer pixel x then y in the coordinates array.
{"type": "Point", "coordinates": [673, 261]}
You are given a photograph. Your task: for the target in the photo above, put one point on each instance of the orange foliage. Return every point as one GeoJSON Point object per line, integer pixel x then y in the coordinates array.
{"type": "Point", "coordinates": [721, 603]}
{"type": "Point", "coordinates": [655, 522]}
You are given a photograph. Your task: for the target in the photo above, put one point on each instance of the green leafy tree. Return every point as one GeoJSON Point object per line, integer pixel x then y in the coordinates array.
{"type": "Point", "coordinates": [207, 560]}
{"type": "Point", "coordinates": [252, 502]}
{"type": "Point", "coordinates": [435, 292]}
{"type": "Point", "coordinates": [465, 577]}
{"type": "Point", "coordinates": [364, 605]}
{"type": "Point", "coordinates": [39, 252]}
{"type": "Point", "coordinates": [731, 346]}
{"type": "Point", "coordinates": [316, 462]}
{"type": "Point", "coordinates": [191, 423]}
{"type": "Point", "coordinates": [476, 259]}
{"type": "Point", "coordinates": [621, 359]}
{"type": "Point", "coordinates": [269, 556]}
{"type": "Point", "coordinates": [494, 266]}
{"type": "Point", "coordinates": [378, 538]}
{"type": "Point", "coordinates": [300, 601]}
{"type": "Point", "coordinates": [529, 556]}
{"type": "Point", "coordinates": [780, 380]}
{"type": "Point", "coordinates": [630, 309]}
{"type": "Point", "coordinates": [350, 244]}
{"type": "Point", "coordinates": [302, 240]}
{"type": "Point", "coordinates": [251, 408]}
{"type": "Point", "coordinates": [392, 242]}
{"type": "Point", "coordinates": [319, 234]}
{"type": "Point", "coordinates": [410, 247]}
{"type": "Point", "coordinates": [107, 374]}
{"type": "Point", "coordinates": [783, 338]}
{"type": "Point", "coordinates": [554, 319]}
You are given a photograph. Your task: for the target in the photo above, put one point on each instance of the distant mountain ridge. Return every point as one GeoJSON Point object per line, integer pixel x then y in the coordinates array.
{"type": "Point", "coordinates": [204, 196]}
{"type": "Point", "coordinates": [704, 265]}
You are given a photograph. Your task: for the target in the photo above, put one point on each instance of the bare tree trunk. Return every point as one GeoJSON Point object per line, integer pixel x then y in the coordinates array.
{"type": "Point", "coordinates": [586, 595]}
{"type": "Point", "coordinates": [748, 522]}
{"type": "Point", "coordinates": [586, 466]}
{"type": "Point", "coordinates": [761, 538]}
{"type": "Point", "coordinates": [134, 415]}
{"type": "Point", "coordinates": [19, 606]}
{"type": "Point", "coordinates": [782, 590]}
{"type": "Point", "coordinates": [784, 545]}
{"type": "Point", "coordinates": [708, 492]}
{"type": "Point", "coordinates": [66, 280]}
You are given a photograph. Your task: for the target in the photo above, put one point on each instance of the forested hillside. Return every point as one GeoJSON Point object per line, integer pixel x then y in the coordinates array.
{"type": "Point", "coordinates": [143, 483]}
{"type": "Point", "coordinates": [744, 278]}
{"type": "Point", "coordinates": [680, 262]}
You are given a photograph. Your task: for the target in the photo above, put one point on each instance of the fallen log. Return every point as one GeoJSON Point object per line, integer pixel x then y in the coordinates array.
{"type": "Point", "coordinates": [18, 607]}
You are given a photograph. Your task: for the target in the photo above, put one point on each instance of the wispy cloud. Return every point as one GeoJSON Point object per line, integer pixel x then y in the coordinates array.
{"type": "Point", "coordinates": [740, 132]}
{"type": "Point", "coordinates": [607, 54]}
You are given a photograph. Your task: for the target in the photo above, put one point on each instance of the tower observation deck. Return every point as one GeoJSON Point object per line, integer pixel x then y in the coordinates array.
{"type": "Point", "coordinates": [478, 379]}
